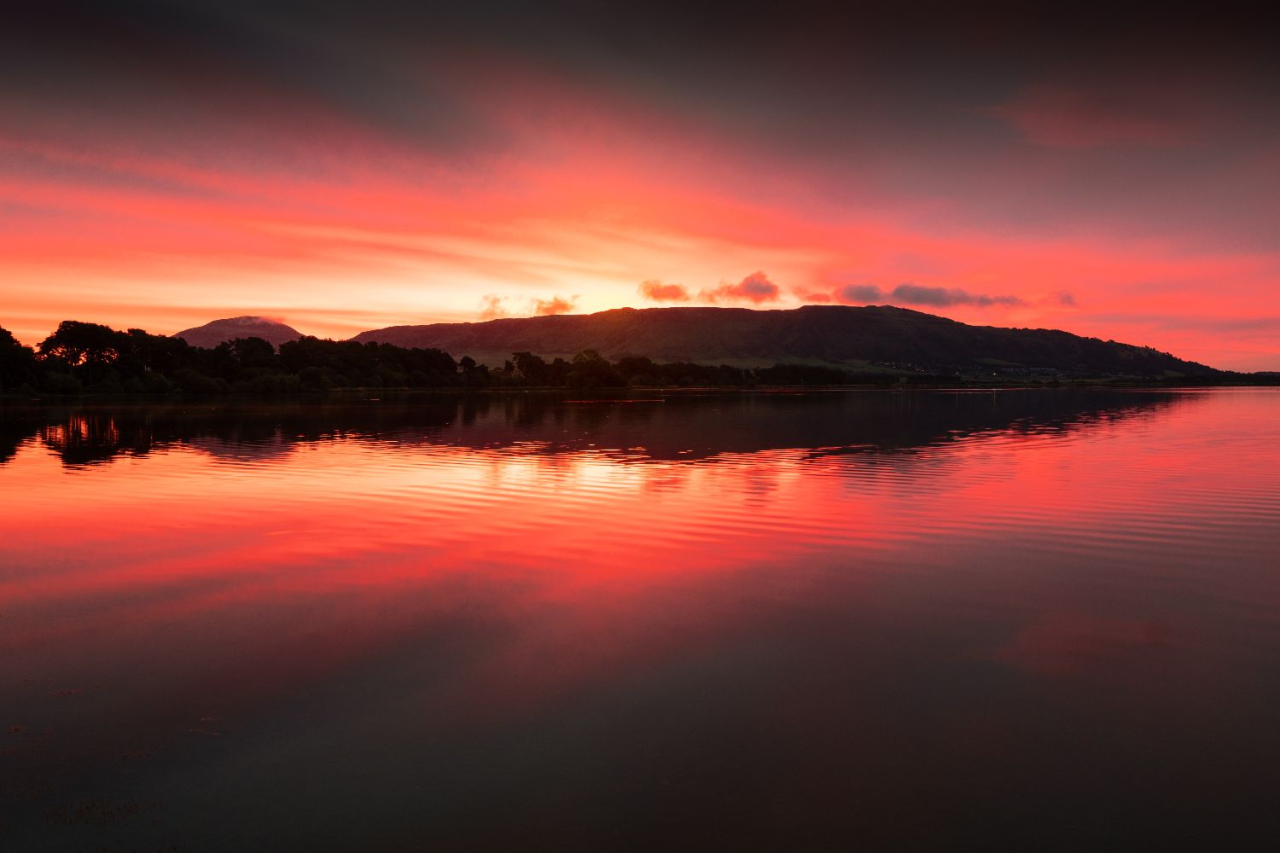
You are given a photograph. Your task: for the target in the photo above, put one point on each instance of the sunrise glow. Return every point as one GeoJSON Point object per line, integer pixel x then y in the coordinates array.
{"type": "Point", "coordinates": [165, 171]}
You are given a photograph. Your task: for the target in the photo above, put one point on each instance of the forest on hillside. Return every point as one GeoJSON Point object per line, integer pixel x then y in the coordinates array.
{"type": "Point", "coordinates": [91, 358]}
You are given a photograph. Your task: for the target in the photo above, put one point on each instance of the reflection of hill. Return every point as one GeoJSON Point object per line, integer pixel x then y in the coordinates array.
{"type": "Point", "coordinates": [10, 440]}
{"type": "Point", "coordinates": [675, 427]}
{"type": "Point", "coordinates": [699, 427]}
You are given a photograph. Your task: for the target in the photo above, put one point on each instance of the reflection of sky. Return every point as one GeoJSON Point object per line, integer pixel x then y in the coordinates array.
{"type": "Point", "coordinates": [444, 626]}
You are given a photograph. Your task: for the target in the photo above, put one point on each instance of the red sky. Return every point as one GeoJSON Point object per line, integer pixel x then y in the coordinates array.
{"type": "Point", "coordinates": [371, 165]}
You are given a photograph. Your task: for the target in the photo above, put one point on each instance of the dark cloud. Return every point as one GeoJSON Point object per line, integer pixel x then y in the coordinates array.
{"type": "Point", "coordinates": [946, 101]}
{"type": "Point", "coordinates": [659, 292]}
{"type": "Point", "coordinates": [200, 76]}
{"type": "Point", "coordinates": [858, 294]}
{"type": "Point", "coordinates": [914, 294]}
{"type": "Point", "coordinates": [1060, 116]}
{"type": "Point", "coordinates": [755, 288]}
{"type": "Point", "coordinates": [945, 297]}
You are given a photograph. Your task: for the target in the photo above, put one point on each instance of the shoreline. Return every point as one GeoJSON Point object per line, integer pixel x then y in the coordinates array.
{"type": "Point", "coordinates": [362, 394]}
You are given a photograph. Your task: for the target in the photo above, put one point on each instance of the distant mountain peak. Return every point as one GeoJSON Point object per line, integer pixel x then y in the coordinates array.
{"type": "Point", "coordinates": [249, 320]}
{"type": "Point", "coordinates": [249, 326]}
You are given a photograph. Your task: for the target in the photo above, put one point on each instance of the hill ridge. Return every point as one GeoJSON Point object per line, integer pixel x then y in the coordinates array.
{"type": "Point", "coordinates": [839, 335]}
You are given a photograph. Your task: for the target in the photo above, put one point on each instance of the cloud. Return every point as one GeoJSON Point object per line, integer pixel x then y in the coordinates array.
{"type": "Point", "coordinates": [914, 294]}
{"type": "Point", "coordinates": [1056, 116]}
{"type": "Point", "coordinates": [755, 288]}
{"type": "Point", "coordinates": [812, 296]}
{"type": "Point", "coordinates": [1063, 297]}
{"type": "Point", "coordinates": [858, 294]}
{"type": "Point", "coordinates": [659, 292]}
{"type": "Point", "coordinates": [554, 305]}
{"type": "Point", "coordinates": [945, 297]}
{"type": "Point", "coordinates": [492, 307]}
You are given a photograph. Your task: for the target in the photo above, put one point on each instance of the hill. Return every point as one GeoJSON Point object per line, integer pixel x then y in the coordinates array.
{"type": "Point", "coordinates": [881, 337]}
{"type": "Point", "coordinates": [211, 334]}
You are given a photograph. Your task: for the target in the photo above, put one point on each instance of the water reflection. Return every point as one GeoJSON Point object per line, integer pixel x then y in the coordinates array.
{"type": "Point", "coordinates": [674, 427]}
{"type": "Point", "coordinates": [1041, 620]}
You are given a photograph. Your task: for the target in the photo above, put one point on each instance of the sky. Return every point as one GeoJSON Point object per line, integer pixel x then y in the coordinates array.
{"type": "Point", "coordinates": [346, 166]}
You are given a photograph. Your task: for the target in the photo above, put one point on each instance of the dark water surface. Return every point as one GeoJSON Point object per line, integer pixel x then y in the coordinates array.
{"type": "Point", "coordinates": [1015, 620]}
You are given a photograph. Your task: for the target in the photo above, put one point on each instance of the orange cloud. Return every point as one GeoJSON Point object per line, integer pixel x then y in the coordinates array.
{"type": "Point", "coordinates": [812, 296]}
{"type": "Point", "coordinates": [755, 288]}
{"type": "Point", "coordinates": [659, 292]}
{"type": "Point", "coordinates": [493, 307]}
{"type": "Point", "coordinates": [554, 305]}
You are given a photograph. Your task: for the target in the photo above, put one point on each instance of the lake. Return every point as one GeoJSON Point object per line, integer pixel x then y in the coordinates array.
{"type": "Point", "coordinates": [1031, 620]}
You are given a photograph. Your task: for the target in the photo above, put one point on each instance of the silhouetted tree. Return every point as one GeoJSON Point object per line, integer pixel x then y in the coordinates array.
{"type": "Point", "coordinates": [87, 351]}
{"type": "Point", "coordinates": [251, 353]}
{"type": "Point", "coordinates": [17, 363]}
{"type": "Point", "coordinates": [531, 367]}
{"type": "Point", "coordinates": [592, 370]}
{"type": "Point", "coordinates": [631, 366]}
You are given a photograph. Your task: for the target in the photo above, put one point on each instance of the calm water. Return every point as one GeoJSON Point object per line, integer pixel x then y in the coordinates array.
{"type": "Point", "coordinates": [1018, 620]}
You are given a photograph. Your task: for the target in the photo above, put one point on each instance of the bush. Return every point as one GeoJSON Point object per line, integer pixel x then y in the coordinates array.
{"type": "Point", "coordinates": [61, 383]}
{"type": "Point", "coordinates": [158, 383]}
{"type": "Point", "coordinates": [315, 379]}
{"type": "Point", "coordinates": [269, 385]}
{"type": "Point", "coordinates": [192, 382]}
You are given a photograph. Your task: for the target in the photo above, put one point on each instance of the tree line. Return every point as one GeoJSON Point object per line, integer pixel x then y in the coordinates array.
{"type": "Point", "coordinates": [91, 358]}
